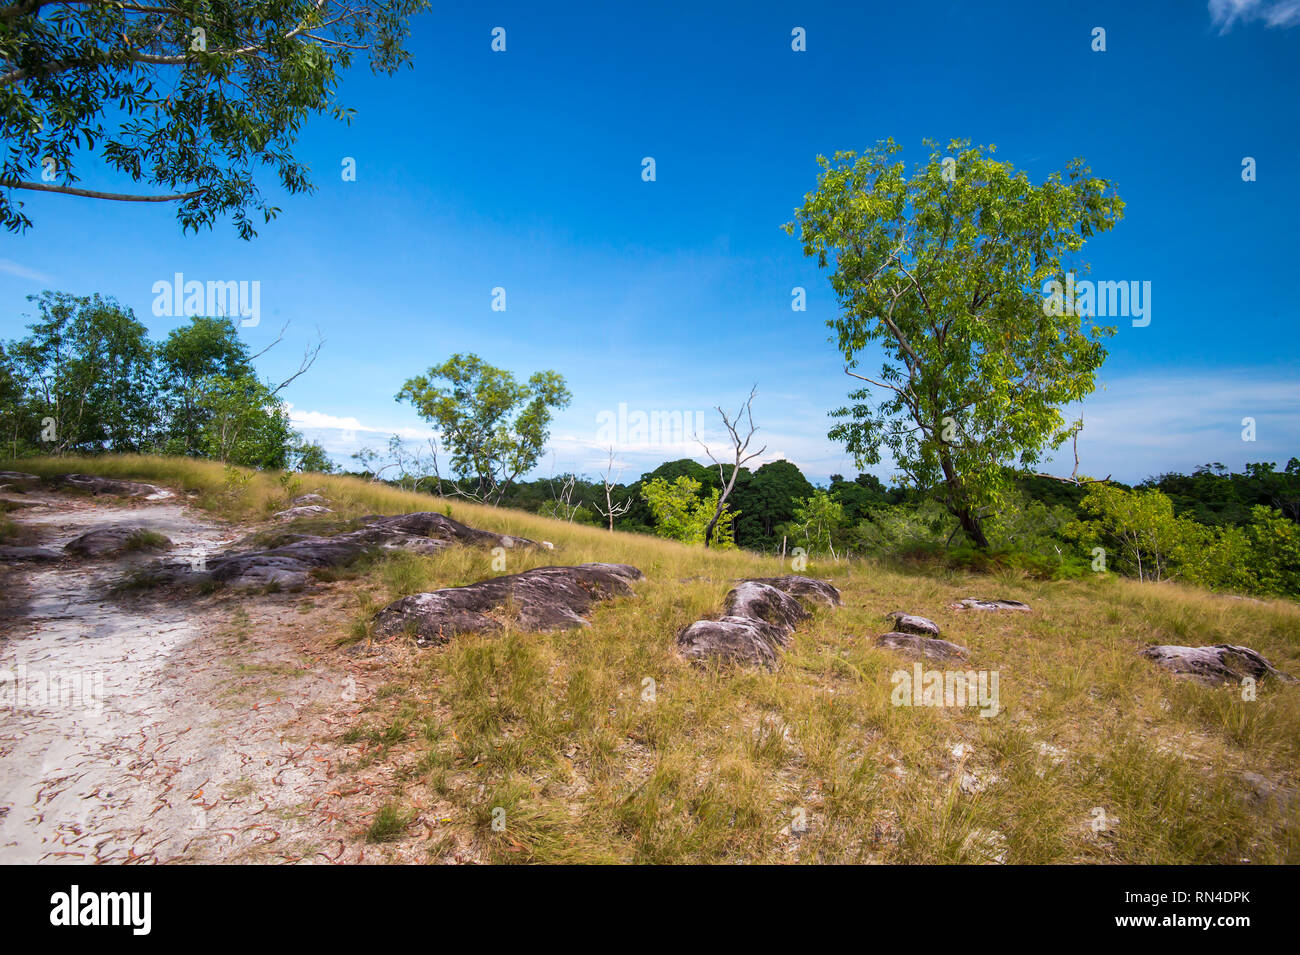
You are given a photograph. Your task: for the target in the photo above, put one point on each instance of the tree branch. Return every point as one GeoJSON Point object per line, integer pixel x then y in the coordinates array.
{"type": "Point", "coordinates": [95, 194]}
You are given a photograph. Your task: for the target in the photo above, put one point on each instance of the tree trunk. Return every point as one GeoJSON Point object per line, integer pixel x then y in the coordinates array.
{"type": "Point", "coordinates": [970, 522]}
{"type": "Point", "coordinates": [974, 528]}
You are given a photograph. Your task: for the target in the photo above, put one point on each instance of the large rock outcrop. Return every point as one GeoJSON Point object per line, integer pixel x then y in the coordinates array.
{"type": "Point", "coordinates": [545, 598]}
{"type": "Point", "coordinates": [119, 539]}
{"type": "Point", "coordinates": [1221, 663]}
{"type": "Point", "coordinates": [759, 616]}
{"type": "Point", "coordinates": [20, 554]}
{"type": "Point", "coordinates": [92, 484]}
{"type": "Point", "coordinates": [18, 481]}
{"type": "Point", "coordinates": [288, 565]}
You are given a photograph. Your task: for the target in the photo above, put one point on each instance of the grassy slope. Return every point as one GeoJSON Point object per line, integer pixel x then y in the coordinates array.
{"type": "Point", "coordinates": [554, 728]}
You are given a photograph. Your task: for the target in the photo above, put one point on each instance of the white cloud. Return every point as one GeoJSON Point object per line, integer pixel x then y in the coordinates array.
{"type": "Point", "coordinates": [323, 421]}
{"type": "Point", "coordinates": [1141, 426]}
{"type": "Point", "coordinates": [18, 270]}
{"type": "Point", "coordinates": [1275, 13]}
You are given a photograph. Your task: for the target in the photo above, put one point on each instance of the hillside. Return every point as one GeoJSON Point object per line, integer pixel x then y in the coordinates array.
{"type": "Point", "coordinates": [603, 744]}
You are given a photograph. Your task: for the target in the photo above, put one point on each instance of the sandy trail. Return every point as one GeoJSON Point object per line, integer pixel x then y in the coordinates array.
{"type": "Point", "coordinates": [147, 727]}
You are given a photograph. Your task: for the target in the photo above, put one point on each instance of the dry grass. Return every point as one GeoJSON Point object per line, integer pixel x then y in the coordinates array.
{"type": "Point", "coordinates": [601, 745]}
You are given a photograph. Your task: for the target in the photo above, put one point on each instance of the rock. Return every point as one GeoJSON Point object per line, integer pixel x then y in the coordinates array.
{"type": "Point", "coordinates": [105, 541]}
{"type": "Point", "coordinates": [818, 591]}
{"type": "Point", "coordinates": [303, 499]}
{"type": "Point", "coordinates": [545, 598]}
{"type": "Point", "coordinates": [287, 565]}
{"type": "Point", "coordinates": [28, 554]}
{"type": "Point", "coordinates": [910, 623]}
{"type": "Point", "coordinates": [18, 482]}
{"type": "Point", "coordinates": [918, 645]}
{"type": "Point", "coordinates": [759, 616]}
{"type": "Point", "coordinates": [1221, 663]}
{"type": "Point", "coordinates": [980, 603]}
{"type": "Point", "coordinates": [306, 510]}
{"type": "Point", "coordinates": [1263, 791]}
{"type": "Point", "coordinates": [92, 484]}
{"type": "Point", "coordinates": [287, 572]}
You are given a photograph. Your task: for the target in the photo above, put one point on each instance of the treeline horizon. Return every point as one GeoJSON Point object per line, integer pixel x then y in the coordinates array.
{"type": "Point", "coordinates": [87, 379]}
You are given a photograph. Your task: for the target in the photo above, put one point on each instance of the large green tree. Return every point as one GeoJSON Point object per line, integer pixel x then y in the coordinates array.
{"type": "Point", "coordinates": [766, 500]}
{"type": "Point", "coordinates": [494, 425]}
{"type": "Point", "coordinates": [204, 348]}
{"type": "Point", "coordinates": [88, 370]}
{"type": "Point", "coordinates": [244, 423]}
{"type": "Point", "coordinates": [942, 269]}
{"type": "Point", "coordinates": [187, 96]}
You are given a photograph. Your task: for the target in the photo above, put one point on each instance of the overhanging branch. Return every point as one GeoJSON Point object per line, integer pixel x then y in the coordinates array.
{"type": "Point", "coordinates": [96, 194]}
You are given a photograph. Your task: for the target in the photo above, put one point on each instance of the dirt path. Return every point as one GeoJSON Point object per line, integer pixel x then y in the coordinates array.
{"type": "Point", "coordinates": [190, 728]}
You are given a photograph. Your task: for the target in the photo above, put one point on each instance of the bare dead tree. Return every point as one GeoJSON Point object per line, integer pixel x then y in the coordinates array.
{"type": "Point", "coordinates": [612, 510]}
{"type": "Point", "coordinates": [562, 496]}
{"type": "Point", "coordinates": [740, 446]}
{"type": "Point", "coordinates": [1074, 475]}
{"type": "Point", "coordinates": [309, 356]}
{"type": "Point", "coordinates": [562, 505]}
{"type": "Point", "coordinates": [456, 490]}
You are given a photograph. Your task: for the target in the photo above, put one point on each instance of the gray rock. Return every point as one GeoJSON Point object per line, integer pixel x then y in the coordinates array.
{"type": "Point", "coordinates": [1263, 791]}
{"type": "Point", "coordinates": [93, 484]}
{"type": "Point", "coordinates": [759, 616]}
{"type": "Point", "coordinates": [18, 481]}
{"type": "Point", "coordinates": [910, 623]}
{"type": "Point", "coordinates": [108, 541]}
{"type": "Point", "coordinates": [918, 645]}
{"type": "Point", "coordinates": [287, 572]}
{"type": "Point", "coordinates": [1221, 663]}
{"type": "Point", "coordinates": [981, 603]}
{"type": "Point", "coordinates": [288, 565]}
{"type": "Point", "coordinates": [33, 554]}
{"type": "Point", "coordinates": [805, 588]}
{"type": "Point", "coordinates": [545, 598]}
{"type": "Point", "coordinates": [305, 510]}
{"type": "Point", "coordinates": [302, 499]}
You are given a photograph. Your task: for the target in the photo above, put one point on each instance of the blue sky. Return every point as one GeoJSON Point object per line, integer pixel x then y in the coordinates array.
{"type": "Point", "coordinates": [522, 170]}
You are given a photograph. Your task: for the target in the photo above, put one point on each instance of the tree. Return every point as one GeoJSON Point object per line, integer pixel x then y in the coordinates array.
{"type": "Point", "coordinates": [184, 95]}
{"type": "Point", "coordinates": [495, 427]}
{"type": "Point", "coordinates": [88, 369]}
{"type": "Point", "coordinates": [205, 347]}
{"type": "Point", "coordinates": [312, 456]}
{"type": "Point", "coordinates": [766, 501]}
{"type": "Point", "coordinates": [244, 422]}
{"type": "Point", "coordinates": [612, 509]}
{"type": "Point", "coordinates": [1141, 530]}
{"type": "Point", "coordinates": [739, 447]}
{"type": "Point", "coordinates": [13, 412]}
{"type": "Point", "coordinates": [944, 271]}
{"type": "Point", "coordinates": [816, 519]}
{"type": "Point", "coordinates": [1274, 542]}
{"type": "Point", "coordinates": [681, 514]}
